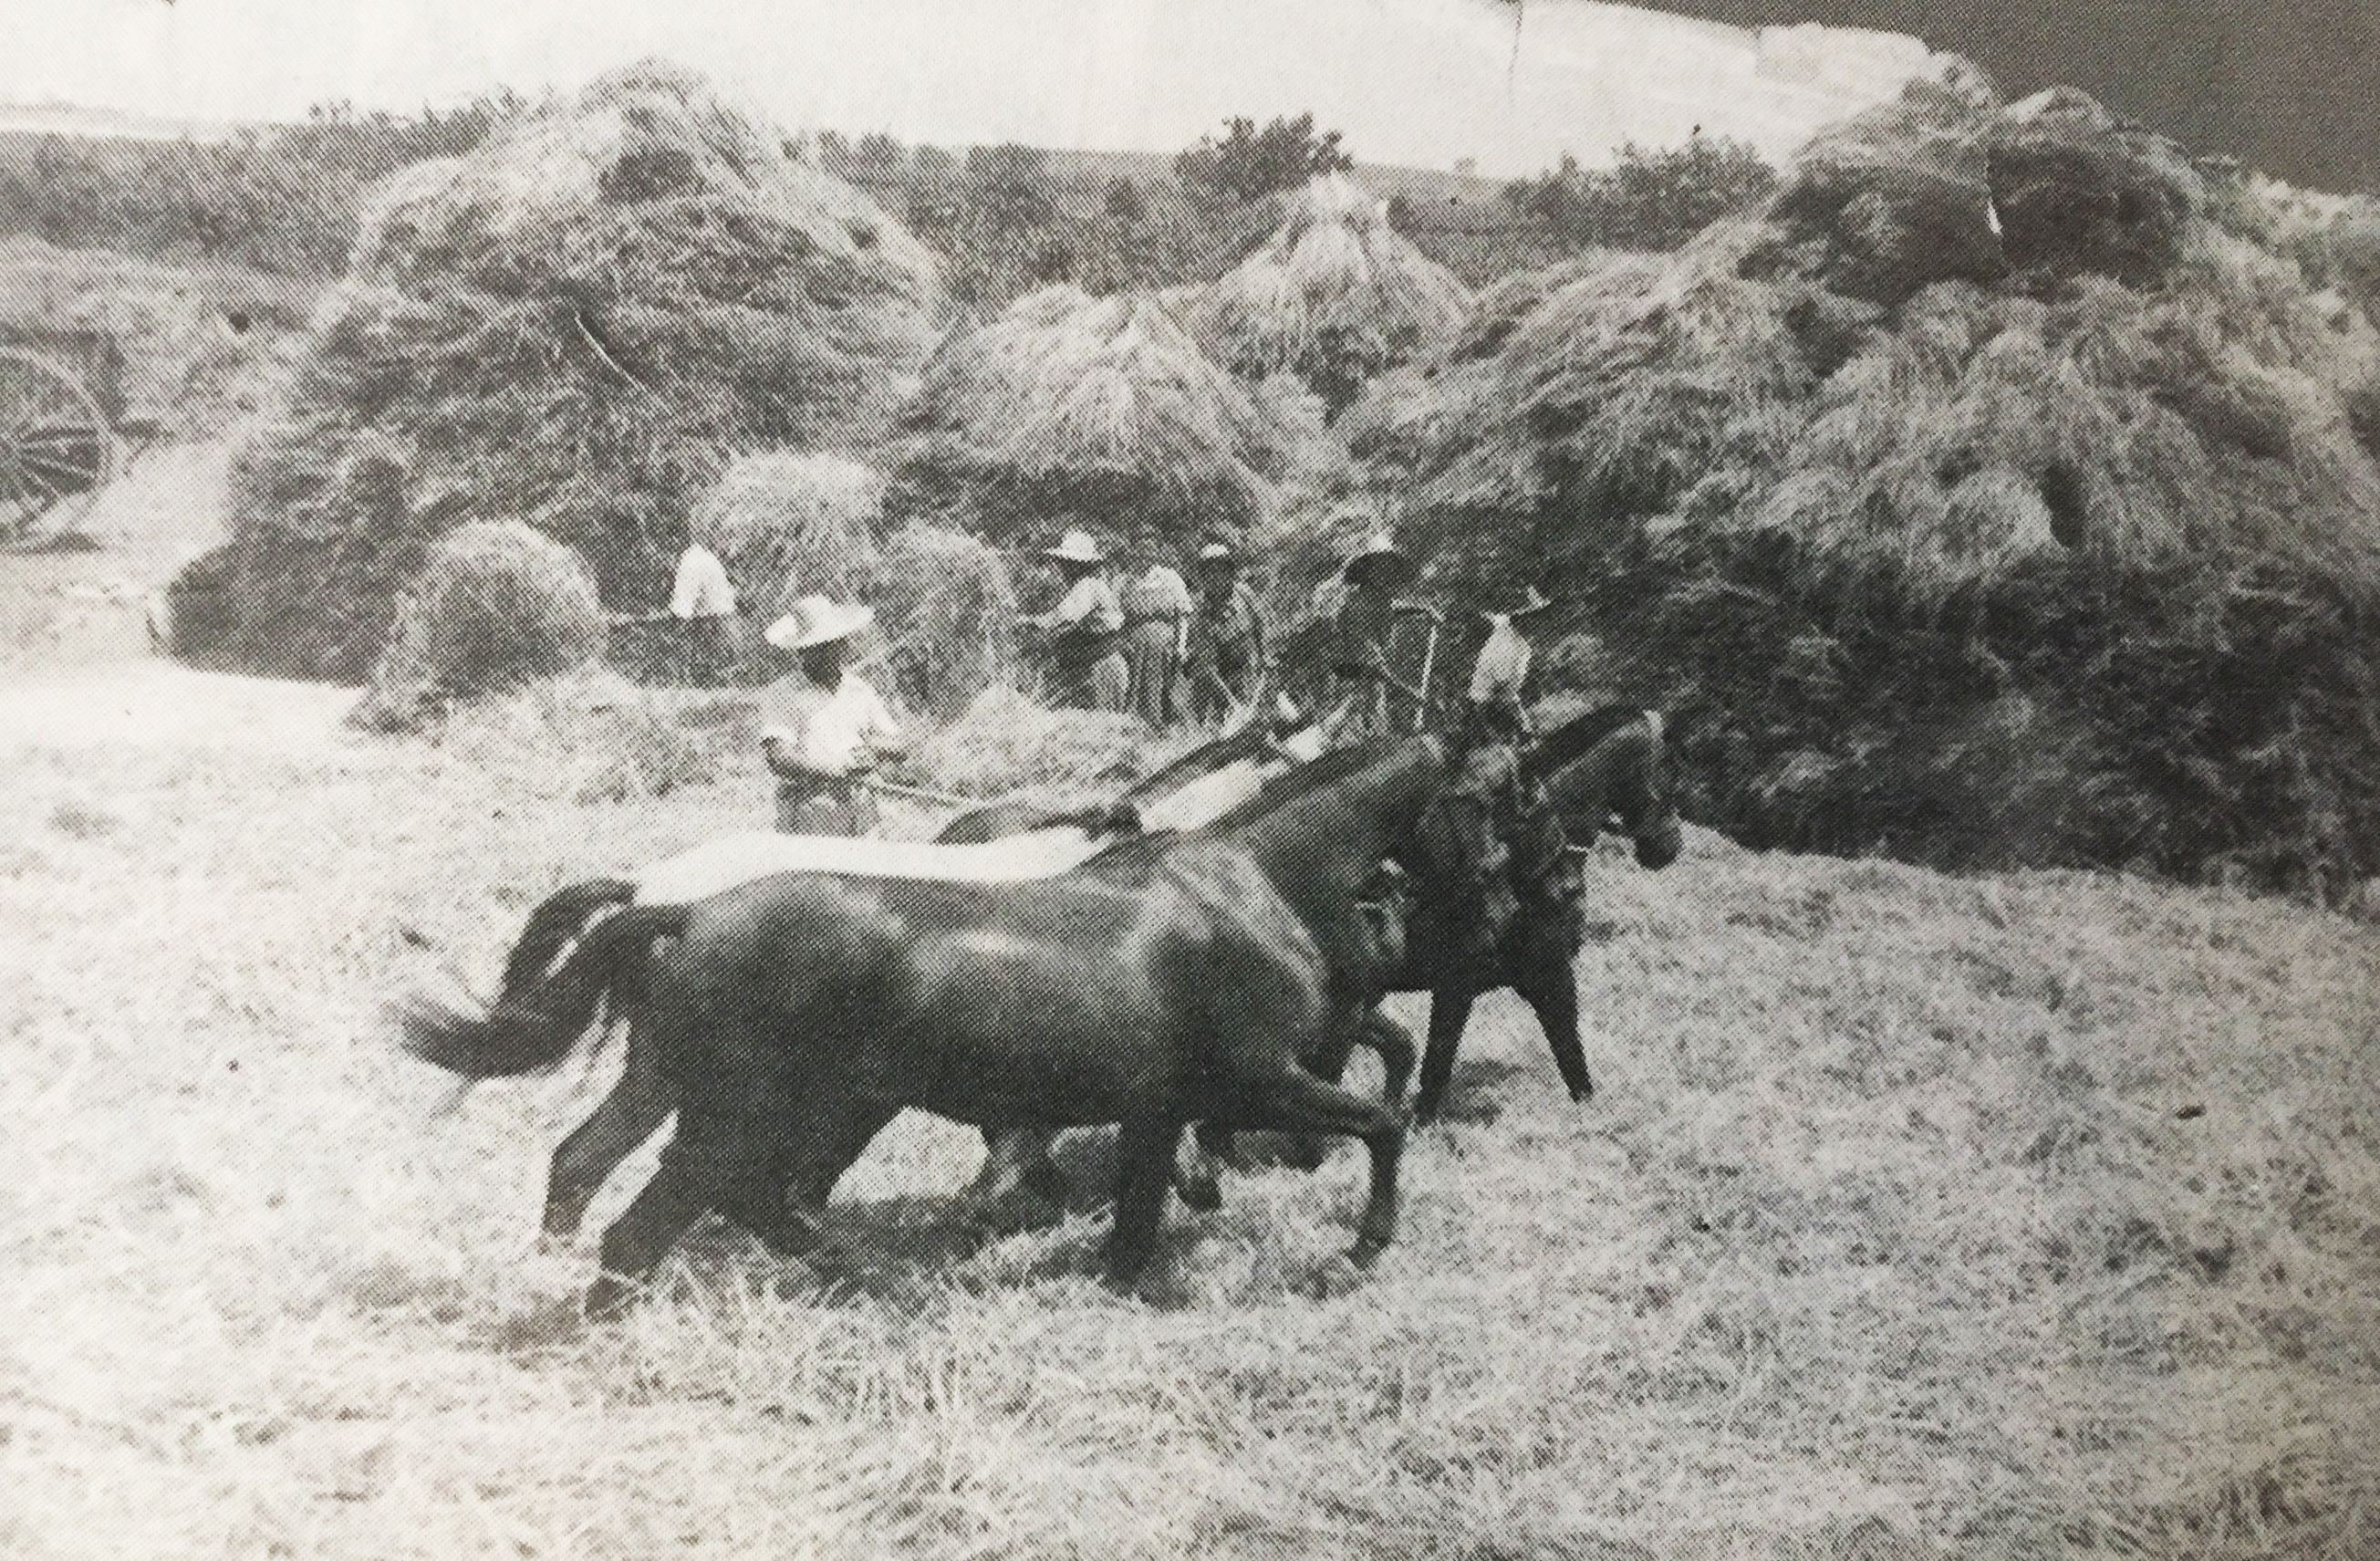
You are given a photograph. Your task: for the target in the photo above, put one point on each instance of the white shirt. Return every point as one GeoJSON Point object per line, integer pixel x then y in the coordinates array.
{"type": "Point", "coordinates": [1092, 600]}
{"type": "Point", "coordinates": [703, 590]}
{"type": "Point", "coordinates": [1503, 664]}
{"type": "Point", "coordinates": [826, 731]}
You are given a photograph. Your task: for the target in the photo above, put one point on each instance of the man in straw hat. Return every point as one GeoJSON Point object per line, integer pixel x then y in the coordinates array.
{"type": "Point", "coordinates": [1360, 630]}
{"type": "Point", "coordinates": [1496, 710]}
{"type": "Point", "coordinates": [1227, 660]}
{"type": "Point", "coordinates": [1157, 608]}
{"type": "Point", "coordinates": [822, 726]}
{"type": "Point", "coordinates": [1083, 628]}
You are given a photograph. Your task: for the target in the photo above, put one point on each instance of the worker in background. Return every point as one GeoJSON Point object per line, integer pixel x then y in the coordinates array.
{"type": "Point", "coordinates": [823, 727]}
{"type": "Point", "coordinates": [1496, 710]}
{"type": "Point", "coordinates": [1228, 659]}
{"type": "Point", "coordinates": [1361, 628]}
{"type": "Point", "coordinates": [1084, 629]}
{"type": "Point", "coordinates": [1157, 609]}
{"type": "Point", "coordinates": [703, 600]}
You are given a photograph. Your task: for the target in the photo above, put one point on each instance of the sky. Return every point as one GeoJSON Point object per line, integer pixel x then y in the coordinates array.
{"type": "Point", "coordinates": [1424, 82]}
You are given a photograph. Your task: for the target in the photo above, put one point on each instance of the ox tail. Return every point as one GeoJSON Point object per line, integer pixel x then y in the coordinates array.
{"type": "Point", "coordinates": [558, 921]}
{"type": "Point", "coordinates": [533, 1027]}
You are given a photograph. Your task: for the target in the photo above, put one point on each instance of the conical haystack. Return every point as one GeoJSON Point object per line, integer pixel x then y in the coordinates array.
{"type": "Point", "coordinates": [1073, 411]}
{"type": "Point", "coordinates": [573, 325]}
{"type": "Point", "coordinates": [1335, 296]}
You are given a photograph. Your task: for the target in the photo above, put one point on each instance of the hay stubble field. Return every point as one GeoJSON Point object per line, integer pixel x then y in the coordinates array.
{"type": "Point", "coordinates": [1918, 1215]}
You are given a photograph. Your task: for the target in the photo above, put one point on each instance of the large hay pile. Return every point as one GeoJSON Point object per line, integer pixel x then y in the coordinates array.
{"type": "Point", "coordinates": [1075, 411]}
{"type": "Point", "coordinates": [1335, 296]}
{"type": "Point", "coordinates": [571, 327]}
{"type": "Point", "coordinates": [2076, 565]}
{"type": "Point", "coordinates": [786, 523]}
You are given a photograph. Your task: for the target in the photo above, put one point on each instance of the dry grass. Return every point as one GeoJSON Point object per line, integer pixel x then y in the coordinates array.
{"type": "Point", "coordinates": [2020, 1216]}
{"type": "Point", "coordinates": [1335, 295]}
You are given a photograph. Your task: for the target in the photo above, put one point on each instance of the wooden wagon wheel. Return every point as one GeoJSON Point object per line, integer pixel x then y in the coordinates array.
{"type": "Point", "coordinates": [55, 446]}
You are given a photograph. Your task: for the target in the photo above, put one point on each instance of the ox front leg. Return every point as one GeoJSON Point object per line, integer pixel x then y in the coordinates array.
{"type": "Point", "coordinates": [1294, 1101]}
{"type": "Point", "coordinates": [1143, 1172]}
{"type": "Point", "coordinates": [1550, 985]}
{"type": "Point", "coordinates": [1450, 1010]}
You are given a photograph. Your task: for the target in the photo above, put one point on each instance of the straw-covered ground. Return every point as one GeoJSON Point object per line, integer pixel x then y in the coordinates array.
{"type": "Point", "coordinates": [1918, 1215]}
{"type": "Point", "coordinates": [2014, 1216]}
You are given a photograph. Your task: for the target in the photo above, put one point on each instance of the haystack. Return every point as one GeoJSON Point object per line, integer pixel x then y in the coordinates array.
{"type": "Point", "coordinates": [572, 326]}
{"type": "Point", "coordinates": [2052, 569]}
{"type": "Point", "coordinates": [1075, 411]}
{"type": "Point", "coordinates": [947, 608]}
{"type": "Point", "coordinates": [1336, 297]}
{"type": "Point", "coordinates": [786, 523]}
{"type": "Point", "coordinates": [497, 605]}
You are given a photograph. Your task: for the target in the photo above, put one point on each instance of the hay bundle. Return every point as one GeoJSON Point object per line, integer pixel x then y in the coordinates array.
{"type": "Point", "coordinates": [947, 608]}
{"type": "Point", "coordinates": [1006, 745]}
{"type": "Point", "coordinates": [1075, 411]}
{"type": "Point", "coordinates": [1335, 296]}
{"type": "Point", "coordinates": [785, 523]}
{"type": "Point", "coordinates": [497, 605]}
{"type": "Point", "coordinates": [2063, 571]}
{"type": "Point", "coordinates": [573, 325]}
{"type": "Point", "coordinates": [2079, 193]}
{"type": "Point", "coordinates": [1896, 198]}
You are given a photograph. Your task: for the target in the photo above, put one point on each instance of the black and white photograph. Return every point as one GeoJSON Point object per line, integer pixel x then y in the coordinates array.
{"type": "Point", "coordinates": [992, 780]}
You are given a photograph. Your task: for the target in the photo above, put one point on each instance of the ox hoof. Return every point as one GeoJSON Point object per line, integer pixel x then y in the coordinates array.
{"type": "Point", "coordinates": [1335, 1277]}
{"type": "Point", "coordinates": [608, 1299]}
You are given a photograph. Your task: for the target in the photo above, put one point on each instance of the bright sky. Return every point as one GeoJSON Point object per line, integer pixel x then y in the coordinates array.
{"type": "Point", "coordinates": [1417, 81]}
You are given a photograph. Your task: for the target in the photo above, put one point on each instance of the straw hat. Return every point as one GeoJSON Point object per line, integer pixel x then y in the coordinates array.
{"type": "Point", "coordinates": [1381, 555]}
{"type": "Point", "coordinates": [817, 620]}
{"type": "Point", "coordinates": [1526, 602]}
{"type": "Point", "coordinates": [1077, 547]}
{"type": "Point", "coordinates": [1218, 555]}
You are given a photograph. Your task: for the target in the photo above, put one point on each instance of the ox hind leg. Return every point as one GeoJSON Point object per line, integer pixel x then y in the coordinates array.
{"type": "Point", "coordinates": [1292, 1100]}
{"type": "Point", "coordinates": [717, 1150]}
{"type": "Point", "coordinates": [632, 1112]}
{"type": "Point", "coordinates": [1144, 1170]}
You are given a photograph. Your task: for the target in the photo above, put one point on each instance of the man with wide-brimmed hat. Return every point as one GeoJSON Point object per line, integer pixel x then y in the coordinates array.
{"type": "Point", "coordinates": [1084, 629]}
{"type": "Point", "coordinates": [1228, 656]}
{"type": "Point", "coordinates": [1495, 709]}
{"type": "Point", "coordinates": [1361, 628]}
{"type": "Point", "coordinates": [1157, 609]}
{"type": "Point", "coordinates": [822, 726]}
